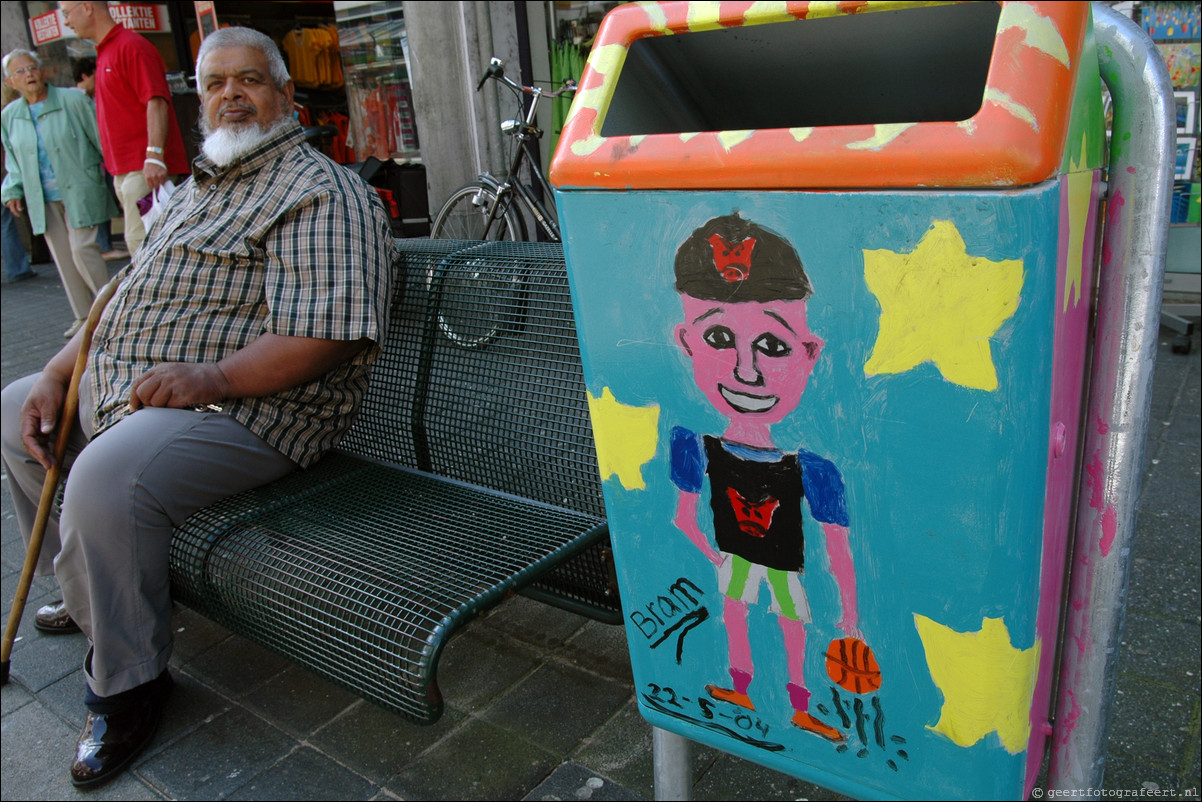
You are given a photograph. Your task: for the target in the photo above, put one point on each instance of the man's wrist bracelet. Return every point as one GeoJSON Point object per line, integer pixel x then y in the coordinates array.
{"type": "Point", "coordinates": [155, 161]}
{"type": "Point", "coordinates": [153, 149]}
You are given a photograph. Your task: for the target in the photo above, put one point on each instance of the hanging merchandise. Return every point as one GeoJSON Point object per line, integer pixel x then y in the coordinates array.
{"type": "Point", "coordinates": [567, 63]}
{"type": "Point", "coordinates": [375, 64]}
{"type": "Point", "coordinates": [382, 121]}
{"type": "Point", "coordinates": [314, 58]}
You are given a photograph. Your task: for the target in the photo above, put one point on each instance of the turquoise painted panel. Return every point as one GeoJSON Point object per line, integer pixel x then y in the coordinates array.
{"type": "Point", "coordinates": [866, 437]}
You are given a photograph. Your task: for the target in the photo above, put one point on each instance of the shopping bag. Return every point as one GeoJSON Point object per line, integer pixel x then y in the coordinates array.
{"type": "Point", "coordinates": [151, 206]}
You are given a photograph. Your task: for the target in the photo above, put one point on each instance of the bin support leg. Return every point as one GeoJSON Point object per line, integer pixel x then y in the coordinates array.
{"type": "Point", "coordinates": [1131, 285]}
{"type": "Point", "coordinates": [673, 755]}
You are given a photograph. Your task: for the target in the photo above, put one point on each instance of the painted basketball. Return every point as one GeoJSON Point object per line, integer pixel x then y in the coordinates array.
{"type": "Point", "coordinates": [852, 666]}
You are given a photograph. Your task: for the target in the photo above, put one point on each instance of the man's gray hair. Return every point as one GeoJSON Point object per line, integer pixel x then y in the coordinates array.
{"type": "Point", "coordinates": [244, 37]}
{"type": "Point", "coordinates": [37, 61]}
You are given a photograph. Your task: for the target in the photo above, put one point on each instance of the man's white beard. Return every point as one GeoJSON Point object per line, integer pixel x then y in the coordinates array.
{"type": "Point", "coordinates": [229, 143]}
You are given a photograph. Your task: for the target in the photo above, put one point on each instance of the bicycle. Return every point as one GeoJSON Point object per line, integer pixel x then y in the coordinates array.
{"type": "Point", "coordinates": [487, 208]}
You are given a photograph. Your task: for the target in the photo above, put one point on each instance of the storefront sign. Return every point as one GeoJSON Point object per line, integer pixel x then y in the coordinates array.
{"type": "Point", "coordinates": [140, 17]}
{"type": "Point", "coordinates": [46, 27]}
{"type": "Point", "coordinates": [206, 17]}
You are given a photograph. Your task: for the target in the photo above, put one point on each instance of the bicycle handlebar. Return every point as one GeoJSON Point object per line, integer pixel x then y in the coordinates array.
{"type": "Point", "coordinates": [496, 69]}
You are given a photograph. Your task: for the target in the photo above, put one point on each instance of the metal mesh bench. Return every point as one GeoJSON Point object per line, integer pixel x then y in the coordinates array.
{"type": "Point", "coordinates": [469, 475]}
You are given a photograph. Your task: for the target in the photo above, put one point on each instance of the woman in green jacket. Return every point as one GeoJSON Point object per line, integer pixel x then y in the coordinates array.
{"type": "Point", "coordinates": [55, 171]}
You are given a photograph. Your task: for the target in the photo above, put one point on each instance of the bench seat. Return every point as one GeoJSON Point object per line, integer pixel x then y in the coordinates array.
{"type": "Point", "coordinates": [391, 559]}
{"type": "Point", "coordinates": [469, 475]}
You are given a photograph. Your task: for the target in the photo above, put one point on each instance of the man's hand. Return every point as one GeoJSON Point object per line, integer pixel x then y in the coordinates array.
{"type": "Point", "coordinates": [40, 417]}
{"type": "Point", "coordinates": [180, 385]}
{"type": "Point", "coordinates": [155, 175]}
{"type": "Point", "coordinates": [270, 364]}
{"type": "Point", "coordinates": [15, 206]}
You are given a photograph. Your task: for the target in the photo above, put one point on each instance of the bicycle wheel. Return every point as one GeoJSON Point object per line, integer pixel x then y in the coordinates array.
{"type": "Point", "coordinates": [465, 212]}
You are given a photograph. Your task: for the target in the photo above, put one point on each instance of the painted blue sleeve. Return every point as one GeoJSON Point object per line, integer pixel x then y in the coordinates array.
{"type": "Point", "coordinates": [688, 460]}
{"type": "Point", "coordinates": [823, 486]}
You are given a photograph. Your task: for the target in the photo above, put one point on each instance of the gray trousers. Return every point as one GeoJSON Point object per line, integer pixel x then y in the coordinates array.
{"type": "Point", "coordinates": [126, 491]}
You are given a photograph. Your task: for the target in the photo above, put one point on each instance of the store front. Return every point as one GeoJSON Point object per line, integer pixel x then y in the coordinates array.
{"type": "Point", "coordinates": [393, 81]}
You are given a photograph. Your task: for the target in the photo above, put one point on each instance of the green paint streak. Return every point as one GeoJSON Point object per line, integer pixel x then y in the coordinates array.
{"type": "Point", "coordinates": [1086, 144]}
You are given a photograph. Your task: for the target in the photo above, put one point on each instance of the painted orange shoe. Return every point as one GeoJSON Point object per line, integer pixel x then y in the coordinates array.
{"type": "Point", "coordinates": [732, 696]}
{"type": "Point", "coordinates": [808, 723]}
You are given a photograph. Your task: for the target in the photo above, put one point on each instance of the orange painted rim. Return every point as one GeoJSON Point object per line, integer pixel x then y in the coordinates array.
{"type": "Point", "coordinates": [1016, 139]}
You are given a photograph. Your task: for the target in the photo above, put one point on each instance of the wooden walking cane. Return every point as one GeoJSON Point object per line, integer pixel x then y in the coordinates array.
{"type": "Point", "coordinates": [50, 485]}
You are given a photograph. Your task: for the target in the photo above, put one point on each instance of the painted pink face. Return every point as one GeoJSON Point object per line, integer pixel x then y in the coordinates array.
{"type": "Point", "coordinates": [752, 360]}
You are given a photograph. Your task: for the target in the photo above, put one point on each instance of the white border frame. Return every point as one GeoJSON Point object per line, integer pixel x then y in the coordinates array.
{"type": "Point", "coordinates": [1185, 172]}
{"type": "Point", "coordinates": [1189, 99]}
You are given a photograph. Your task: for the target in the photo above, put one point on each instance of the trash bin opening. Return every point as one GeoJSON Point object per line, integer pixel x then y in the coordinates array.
{"type": "Point", "coordinates": [925, 64]}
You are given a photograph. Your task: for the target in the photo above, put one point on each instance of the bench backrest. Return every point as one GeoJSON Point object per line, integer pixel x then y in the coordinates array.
{"type": "Point", "coordinates": [480, 378]}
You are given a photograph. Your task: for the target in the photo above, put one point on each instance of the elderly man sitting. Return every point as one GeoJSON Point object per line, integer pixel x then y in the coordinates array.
{"type": "Point", "coordinates": [236, 349]}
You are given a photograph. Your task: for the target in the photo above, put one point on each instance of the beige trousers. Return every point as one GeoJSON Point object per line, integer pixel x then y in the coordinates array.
{"type": "Point", "coordinates": [77, 257]}
{"type": "Point", "coordinates": [131, 188]}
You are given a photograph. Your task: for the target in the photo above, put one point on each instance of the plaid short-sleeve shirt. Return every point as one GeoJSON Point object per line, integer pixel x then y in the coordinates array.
{"type": "Point", "coordinates": [283, 241]}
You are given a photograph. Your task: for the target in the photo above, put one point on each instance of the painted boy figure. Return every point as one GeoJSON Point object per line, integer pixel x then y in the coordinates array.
{"type": "Point", "coordinates": [744, 293]}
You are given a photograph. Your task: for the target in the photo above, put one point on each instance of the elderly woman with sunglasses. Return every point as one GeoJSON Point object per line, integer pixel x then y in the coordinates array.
{"type": "Point", "coordinates": [55, 171]}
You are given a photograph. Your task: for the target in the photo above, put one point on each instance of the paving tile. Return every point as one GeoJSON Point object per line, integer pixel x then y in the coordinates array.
{"type": "Point", "coordinates": [42, 660]}
{"type": "Point", "coordinates": [306, 774]}
{"type": "Point", "coordinates": [558, 706]}
{"type": "Point", "coordinates": [1194, 777]}
{"type": "Point", "coordinates": [1127, 775]}
{"type": "Point", "coordinates": [534, 623]}
{"type": "Point", "coordinates": [476, 761]}
{"type": "Point", "coordinates": [377, 743]}
{"type": "Point", "coordinates": [732, 778]}
{"type": "Point", "coordinates": [217, 758]}
{"type": "Point", "coordinates": [469, 683]}
{"type": "Point", "coordinates": [192, 703]}
{"type": "Point", "coordinates": [601, 649]}
{"type": "Point", "coordinates": [1179, 493]}
{"type": "Point", "coordinates": [1166, 589]}
{"type": "Point", "coordinates": [194, 634]}
{"type": "Point", "coordinates": [1164, 537]}
{"type": "Point", "coordinates": [237, 666]}
{"type": "Point", "coordinates": [620, 749]}
{"type": "Point", "coordinates": [1161, 650]}
{"type": "Point", "coordinates": [1150, 723]}
{"type": "Point", "coordinates": [299, 701]}
{"type": "Point", "coordinates": [13, 697]}
{"type": "Point", "coordinates": [573, 781]}
{"type": "Point", "coordinates": [65, 698]}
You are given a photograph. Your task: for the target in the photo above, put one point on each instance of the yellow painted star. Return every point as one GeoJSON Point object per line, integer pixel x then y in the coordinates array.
{"type": "Point", "coordinates": [987, 684]}
{"type": "Point", "coordinates": [626, 438]}
{"type": "Point", "coordinates": [938, 304]}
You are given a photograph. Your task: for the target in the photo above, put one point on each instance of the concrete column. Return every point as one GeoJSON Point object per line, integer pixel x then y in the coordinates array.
{"type": "Point", "coordinates": [14, 28]}
{"type": "Point", "coordinates": [458, 128]}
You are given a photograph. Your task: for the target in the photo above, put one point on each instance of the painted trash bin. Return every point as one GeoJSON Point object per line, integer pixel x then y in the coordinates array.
{"type": "Point", "coordinates": [832, 266]}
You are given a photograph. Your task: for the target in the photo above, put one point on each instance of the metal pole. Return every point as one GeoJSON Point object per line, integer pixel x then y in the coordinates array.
{"type": "Point", "coordinates": [673, 755]}
{"type": "Point", "coordinates": [1131, 280]}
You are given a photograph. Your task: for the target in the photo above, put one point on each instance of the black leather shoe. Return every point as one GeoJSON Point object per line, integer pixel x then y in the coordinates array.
{"type": "Point", "coordinates": [54, 620]}
{"type": "Point", "coordinates": [109, 741]}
